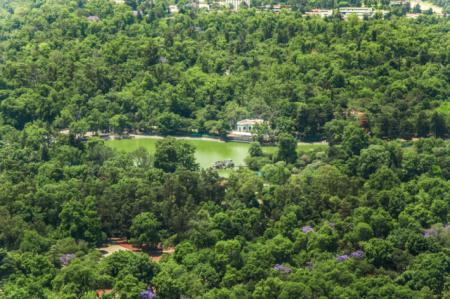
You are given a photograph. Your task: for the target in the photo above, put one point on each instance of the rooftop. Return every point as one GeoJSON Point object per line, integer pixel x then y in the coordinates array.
{"type": "Point", "coordinates": [250, 121]}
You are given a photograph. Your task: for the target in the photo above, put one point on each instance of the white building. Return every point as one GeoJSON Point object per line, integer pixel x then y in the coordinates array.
{"type": "Point", "coordinates": [412, 15]}
{"type": "Point", "coordinates": [360, 11]}
{"type": "Point", "coordinates": [245, 126]}
{"type": "Point", "coordinates": [319, 12]}
{"type": "Point", "coordinates": [397, 3]}
{"type": "Point", "coordinates": [384, 12]}
{"type": "Point", "coordinates": [203, 5]}
{"type": "Point", "coordinates": [277, 8]}
{"type": "Point", "coordinates": [220, 3]}
{"type": "Point", "coordinates": [173, 8]}
{"type": "Point", "coordinates": [237, 2]}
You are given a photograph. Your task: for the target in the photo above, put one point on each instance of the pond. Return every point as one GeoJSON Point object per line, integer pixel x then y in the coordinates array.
{"type": "Point", "coordinates": [206, 151]}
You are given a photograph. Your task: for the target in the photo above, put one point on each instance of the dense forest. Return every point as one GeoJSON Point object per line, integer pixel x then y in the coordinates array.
{"type": "Point", "coordinates": [95, 65]}
{"type": "Point", "coordinates": [365, 217]}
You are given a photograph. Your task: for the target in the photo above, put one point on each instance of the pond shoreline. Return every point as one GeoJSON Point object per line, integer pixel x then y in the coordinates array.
{"type": "Point", "coordinates": [114, 136]}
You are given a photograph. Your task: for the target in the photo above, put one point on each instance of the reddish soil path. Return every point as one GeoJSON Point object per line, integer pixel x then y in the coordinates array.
{"type": "Point", "coordinates": [100, 292]}
{"type": "Point", "coordinates": [156, 255]}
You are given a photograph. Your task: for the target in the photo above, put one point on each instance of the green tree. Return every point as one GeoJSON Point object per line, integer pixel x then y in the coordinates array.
{"type": "Point", "coordinates": [378, 252]}
{"type": "Point", "coordinates": [33, 242]}
{"type": "Point", "coordinates": [80, 222]}
{"type": "Point", "coordinates": [277, 173]}
{"type": "Point", "coordinates": [119, 123]}
{"type": "Point", "coordinates": [145, 230]}
{"type": "Point", "coordinates": [255, 150]}
{"type": "Point", "coordinates": [129, 287]}
{"type": "Point", "coordinates": [354, 140]}
{"type": "Point", "coordinates": [173, 153]}
{"type": "Point", "coordinates": [287, 148]}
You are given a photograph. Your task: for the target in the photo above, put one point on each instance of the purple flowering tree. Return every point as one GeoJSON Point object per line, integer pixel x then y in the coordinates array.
{"type": "Point", "coordinates": [305, 229]}
{"type": "Point", "coordinates": [433, 232]}
{"type": "Point", "coordinates": [342, 258]}
{"type": "Point", "coordinates": [308, 265]}
{"type": "Point", "coordinates": [282, 269]}
{"type": "Point", "coordinates": [162, 59]}
{"type": "Point", "coordinates": [198, 28]}
{"type": "Point", "coordinates": [430, 232]}
{"type": "Point", "coordinates": [66, 257]}
{"type": "Point", "coordinates": [357, 254]}
{"type": "Point", "coordinates": [148, 294]}
{"type": "Point", "coordinates": [93, 18]}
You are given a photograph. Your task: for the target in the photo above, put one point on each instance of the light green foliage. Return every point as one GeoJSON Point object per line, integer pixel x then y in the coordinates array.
{"type": "Point", "coordinates": [276, 174]}
{"type": "Point", "coordinates": [129, 287]}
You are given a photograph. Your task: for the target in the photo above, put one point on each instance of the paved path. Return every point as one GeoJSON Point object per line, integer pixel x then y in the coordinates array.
{"type": "Point", "coordinates": [426, 6]}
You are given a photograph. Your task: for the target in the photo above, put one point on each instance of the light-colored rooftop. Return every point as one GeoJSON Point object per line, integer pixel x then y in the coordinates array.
{"type": "Point", "coordinates": [250, 121]}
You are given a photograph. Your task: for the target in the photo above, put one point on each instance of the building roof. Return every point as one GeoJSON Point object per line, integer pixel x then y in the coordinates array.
{"type": "Point", "coordinates": [250, 121]}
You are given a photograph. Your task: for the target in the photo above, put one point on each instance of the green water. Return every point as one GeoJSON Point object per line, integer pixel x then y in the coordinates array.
{"type": "Point", "coordinates": [206, 151]}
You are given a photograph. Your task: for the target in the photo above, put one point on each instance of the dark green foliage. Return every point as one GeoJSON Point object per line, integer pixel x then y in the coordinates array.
{"type": "Point", "coordinates": [364, 218]}
{"type": "Point", "coordinates": [286, 148]}
{"type": "Point", "coordinates": [173, 153]}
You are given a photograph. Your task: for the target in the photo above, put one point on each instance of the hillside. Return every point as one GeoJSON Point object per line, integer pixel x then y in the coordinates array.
{"type": "Point", "coordinates": [365, 216]}
{"type": "Point", "coordinates": [126, 71]}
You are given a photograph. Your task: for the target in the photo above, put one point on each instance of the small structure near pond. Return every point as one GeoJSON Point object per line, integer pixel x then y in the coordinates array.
{"type": "Point", "coordinates": [223, 164]}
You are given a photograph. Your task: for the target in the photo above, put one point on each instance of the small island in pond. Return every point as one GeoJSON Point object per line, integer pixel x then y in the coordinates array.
{"type": "Point", "coordinates": [223, 164]}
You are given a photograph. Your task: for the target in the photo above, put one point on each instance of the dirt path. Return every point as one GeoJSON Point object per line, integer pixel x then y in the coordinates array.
{"type": "Point", "coordinates": [110, 248]}
{"type": "Point", "coordinates": [426, 6]}
{"type": "Point", "coordinates": [118, 244]}
{"type": "Point", "coordinates": [113, 136]}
